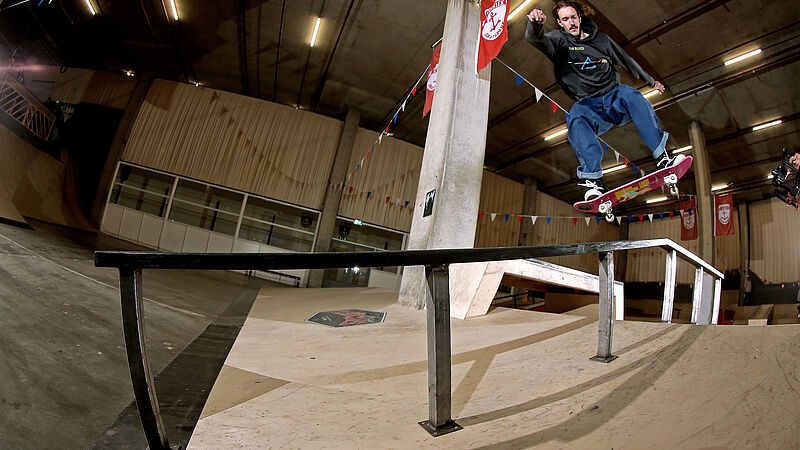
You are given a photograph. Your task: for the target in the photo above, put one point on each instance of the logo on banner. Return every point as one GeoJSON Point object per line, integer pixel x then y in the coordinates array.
{"type": "Point", "coordinates": [432, 78]}
{"type": "Point", "coordinates": [688, 219]}
{"type": "Point", "coordinates": [495, 19]}
{"type": "Point", "coordinates": [724, 213]}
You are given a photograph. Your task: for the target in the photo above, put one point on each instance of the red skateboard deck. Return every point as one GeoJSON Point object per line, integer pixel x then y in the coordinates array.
{"type": "Point", "coordinates": [668, 176]}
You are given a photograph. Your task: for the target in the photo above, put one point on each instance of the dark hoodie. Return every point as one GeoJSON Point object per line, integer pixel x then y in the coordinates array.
{"type": "Point", "coordinates": [584, 67]}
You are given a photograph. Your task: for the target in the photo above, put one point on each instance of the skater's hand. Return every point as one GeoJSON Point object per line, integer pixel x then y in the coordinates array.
{"type": "Point", "coordinates": [795, 160]}
{"type": "Point", "coordinates": [538, 16]}
{"type": "Point", "coordinates": [659, 87]}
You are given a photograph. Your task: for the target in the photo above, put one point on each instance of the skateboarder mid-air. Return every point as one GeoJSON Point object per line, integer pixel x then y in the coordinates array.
{"type": "Point", "coordinates": [584, 61]}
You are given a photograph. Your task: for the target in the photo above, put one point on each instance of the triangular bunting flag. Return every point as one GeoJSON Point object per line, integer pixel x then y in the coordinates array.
{"type": "Point", "coordinates": [588, 220]}
{"type": "Point", "coordinates": [493, 216]}
{"type": "Point", "coordinates": [480, 215]}
{"type": "Point", "coordinates": [350, 190]}
{"type": "Point", "coordinates": [387, 129]}
{"type": "Point", "coordinates": [660, 216]}
{"type": "Point", "coordinates": [507, 216]}
{"type": "Point", "coordinates": [406, 204]}
{"type": "Point", "coordinates": [635, 169]}
{"type": "Point", "coordinates": [394, 120]}
{"type": "Point", "coordinates": [533, 220]}
{"type": "Point", "coordinates": [597, 219]}
{"type": "Point", "coordinates": [549, 219]}
{"type": "Point", "coordinates": [380, 138]}
{"type": "Point", "coordinates": [574, 220]}
{"type": "Point", "coordinates": [671, 214]}
{"type": "Point", "coordinates": [616, 154]}
{"type": "Point", "coordinates": [519, 219]}
{"type": "Point", "coordinates": [538, 94]}
{"type": "Point", "coordinates": [605, 148]}
{"type": "Point", "coordinates": [650, 216]}
{"type": "Point", "coordinates": [641, 218]}
{"type": "Point", "coordinates": [626, 162]}
{"type": "Point", "coordinates": [369, 193]}
{"type": "Point", "coordinates": [554, 106]}
{"type": "Point", "coordinates": [414, 90]}
{"type": "Point", "coordinates": [619, 220]}
{"type": "Point", "coordinates": [519, 79]}
{"type": "Point", "coordinates": [630, 218]}
{"type": "Point", "coordinates": [387, 199]}
{"type": "Point", "coordinates": [403, 106]}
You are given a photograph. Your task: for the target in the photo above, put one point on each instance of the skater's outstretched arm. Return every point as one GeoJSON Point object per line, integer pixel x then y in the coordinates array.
{"type": "Point", "coordinates": [534, 34]}
{"type": "Point", "coordinates": [795, 160]}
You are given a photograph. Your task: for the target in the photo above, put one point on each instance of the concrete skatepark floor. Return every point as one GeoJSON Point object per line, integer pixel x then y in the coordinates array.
{"type": "Point", "coordinates": [520, 379]}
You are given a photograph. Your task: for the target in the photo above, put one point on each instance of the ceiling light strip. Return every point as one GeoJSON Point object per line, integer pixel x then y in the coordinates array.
{"type": "Point", "coordinates": [174, 9]}
{"type": "Point", "coordinates": [91, 8]}
{"type": "Point", "coordinates": [518, 9]}
{"type": "Point", "coordinates": [656, 200]}
{"type": "Point", "coordinates": [741, 57]}
{"type": "Point", "coordinates": [614, 169]}
{"type": "Point", "coordinates": [682, 149]}
{"type": "Point", "coordinates": [314, 34]}
{"type": "Point", "coordinates": [767, 125]}
{"type": "Point", "coordinates": [556, 134]}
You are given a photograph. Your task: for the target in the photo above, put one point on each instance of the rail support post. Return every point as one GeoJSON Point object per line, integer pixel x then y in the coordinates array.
{"type": "Point", "coordinates": [439, 358]}
{"type": "Point", "coordinates": [669, 286]}
{"type": "Point", "coordinates": [605, 320]}
{"type": "Point", "coordinates": [130, 284]}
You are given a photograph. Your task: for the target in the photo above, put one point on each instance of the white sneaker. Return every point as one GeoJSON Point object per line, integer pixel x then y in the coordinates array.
{"type": "Point", "coordinates": [595, 188]}
{"type": "Point", "coordinates": [668, 161]}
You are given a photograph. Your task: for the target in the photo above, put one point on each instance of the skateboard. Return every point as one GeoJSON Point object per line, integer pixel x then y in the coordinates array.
{"type": "Point", "coordinates": [668, 176]}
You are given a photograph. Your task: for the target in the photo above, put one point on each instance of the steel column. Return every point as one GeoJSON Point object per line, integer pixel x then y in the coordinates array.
{"type": "Point", "coordinates": [697, 293]}
{"type": "Point", "coordinates": [605, 320]}
{"type": "Point", "coordinates": [669, 286]}
{"type": "Point", "coordinates": [439, 382]}
{"type": "Point", "coordinates": [130, 284]}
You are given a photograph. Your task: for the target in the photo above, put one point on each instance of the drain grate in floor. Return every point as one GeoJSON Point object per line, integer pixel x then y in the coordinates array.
{"type": "Point", "coordinates": [347, 317]}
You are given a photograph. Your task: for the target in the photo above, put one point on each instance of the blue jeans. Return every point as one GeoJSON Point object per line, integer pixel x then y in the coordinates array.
{"type": "Point", "coordinates": [591, 117]}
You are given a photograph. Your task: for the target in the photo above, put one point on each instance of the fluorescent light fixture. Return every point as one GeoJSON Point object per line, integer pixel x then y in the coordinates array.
{"type": "Point", "coordinates": [518, 9]}
{"type": "Point", "coordinates": [741, 57]}
{"type": "Point", "coordinates": [197, 83]}
{"type": "Point", "coordinates": [767, 125]}
{"type": "Point", "coordinates": [719, 186]}
{"type": "Point", "coordinates": [556, 134]}
{"type": "Point", "coordinates": [91, 9]}
{"type": "Point", "coordinates": [682, 149]}
{"type": "Point", "coordinates": [316, 30]}
{"type": "Point", "coordinates": [657, 199]}
{"type": "Point", "coordinates": [651, 93]}
{"type": "Point", "coordinates": [770, 176]}
{"type": "Point", "coordinates": [174, 9]}
{"type": "Point", "coordinates": [129, 73]}
{"type": "Point", "coordinates": [614, 169]}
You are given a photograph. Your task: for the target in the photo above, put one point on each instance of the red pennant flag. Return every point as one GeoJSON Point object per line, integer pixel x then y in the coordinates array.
{"type": "Point", "coordinates": [519, 219]}
{"type": "Point", "coordinates": [574, 220]}
{"type": "Point", "coordinates": [431, 86]}
{"type": "Point", "coordinates": [414, 90]}
{"type": "Point", "coordinates": [387, 199]}
{"type": "Point", "coordinates": [671, 214]}
{"type": "Point", "coordinates": [386, 131]}
{"type": "Point", "coordinates": [688, 220]}
{"type": "Point", "coordinates": [641, 218]}
{"type": "Point", "coordinates": [494, 30]}
{"type": "Point", "coordinates": [626, 163]}
{"type": "Point", "coordinates": [723, 205]}
{"type": "Point", "coordinates": [350, 191]}
{"type": "Point", "coordinates": [555, 107]}
{"type": "Point", "coordinates": [480, 215]}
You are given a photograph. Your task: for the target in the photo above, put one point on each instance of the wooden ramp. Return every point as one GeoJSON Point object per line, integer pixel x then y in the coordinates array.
{"type": "Point", "coordinates": [521, 379]}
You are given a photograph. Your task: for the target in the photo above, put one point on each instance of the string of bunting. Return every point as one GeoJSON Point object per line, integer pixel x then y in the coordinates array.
{"type": "Point", "coordinates": [587, 219]}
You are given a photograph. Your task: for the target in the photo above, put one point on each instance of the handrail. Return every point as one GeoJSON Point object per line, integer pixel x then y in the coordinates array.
{"type": "Point", "coordinates": [436, 262]}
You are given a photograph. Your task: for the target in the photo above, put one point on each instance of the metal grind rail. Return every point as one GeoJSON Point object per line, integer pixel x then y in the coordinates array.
{"type": "Point", "coordinates": [707, 287]}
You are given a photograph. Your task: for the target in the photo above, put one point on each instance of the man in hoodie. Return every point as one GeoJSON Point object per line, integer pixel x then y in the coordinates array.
{"type": "Point", "coordinates": [584, 61]}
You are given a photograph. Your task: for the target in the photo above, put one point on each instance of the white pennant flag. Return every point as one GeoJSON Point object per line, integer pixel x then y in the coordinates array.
{"type": "Point", "coordinates": [538, 93]}
{"type": "Point", "coordinates": [643, 174]}
{"type": "Point", "coordinates": [619, 220]}
{"type": "Point", "coordinates": [587, 219]}
{"type": "Point", "coordinates": [493, 216]}
{"type": "Point", "coordinates": [616, 153]}
{"type": "Point", "coordinates": [650, 216]}
{"type": "Point", "coordinates": [380, 137]}
{"type": "Point", "coordinates": [533, 220]}
{"type": "Point", "coordinates": [403, 106]}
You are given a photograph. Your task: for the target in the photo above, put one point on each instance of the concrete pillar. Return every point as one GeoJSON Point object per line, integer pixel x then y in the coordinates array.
{"type": "Point", "coordinates": [452, 165]}
{"type": "Point", "coordinates": [330, 205]}
{"type": "Point", "coordinates": [744, 248]}
{"type": "Point", "coordinates": [143, 83]}
{"type": "Point", "coordinates": [526, 237]}
{"type": "Point", "coordinates": [705, 200]}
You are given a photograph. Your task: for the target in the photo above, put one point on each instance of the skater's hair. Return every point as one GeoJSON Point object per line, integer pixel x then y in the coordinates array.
{"type": "Point", "coordinates": [581, 9]}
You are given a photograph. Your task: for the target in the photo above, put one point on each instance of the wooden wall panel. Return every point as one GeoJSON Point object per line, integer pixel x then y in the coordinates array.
{"type": "Point", "coordinates": [236, 141]}
{"type": "Point", "coordinates": [775, 241]}
{"type": "Point", "coordinates": [501, 196]}
{"type": "Point", "coordinates": [391, 170]}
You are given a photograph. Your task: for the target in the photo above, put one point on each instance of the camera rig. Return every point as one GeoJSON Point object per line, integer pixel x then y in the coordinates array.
{"type": "Point", "coordinates": [786, 182]}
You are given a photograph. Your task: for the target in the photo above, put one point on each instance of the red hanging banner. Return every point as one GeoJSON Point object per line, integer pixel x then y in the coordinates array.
{"type": "Point", "coordinates": [494, 31]}
{"type": "Point", "coordinates": [433, 70]}
{"type": "Point", "coordinates": [689, 219]}
{"type": "Point", "coordinates": [723, 205]}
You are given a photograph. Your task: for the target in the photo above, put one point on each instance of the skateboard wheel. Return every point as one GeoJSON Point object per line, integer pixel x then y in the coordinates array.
{"type": "Point", "coordinates": [674, 190]}
{"type": "Point", "coordinates": [671, 179]}
{"type": "Point", "coordinates": [609, 218]}
{"type": "Point", "coordinates": [602, 208]}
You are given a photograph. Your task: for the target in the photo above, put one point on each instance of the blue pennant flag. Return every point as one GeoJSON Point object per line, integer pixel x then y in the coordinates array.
{"type": "Point", "coordinates": [597, 219]}
{"type": "Point", "coordinates": [660, 216]}
{"type": "Point", "coordinates": [548, 220]}
{"type": "Point", "coordinates": [519, 79]}
{"type": "Point", "coordinates": [407, 202]}
{"type": "Point", "coordinates": [368, 194]}
{"type": "Point", "coordinates": [630, 218]}
{"type": "Point", "coordinates": [605, 148]}
{"type": "Point", "coordinates": [507, 216]}
{"type": "Point", "coordinates": [566, 114]}
{"type": "Point", "coordinates": [635, 170]}
{"type": "Point", "coordinates": [394, 119]}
